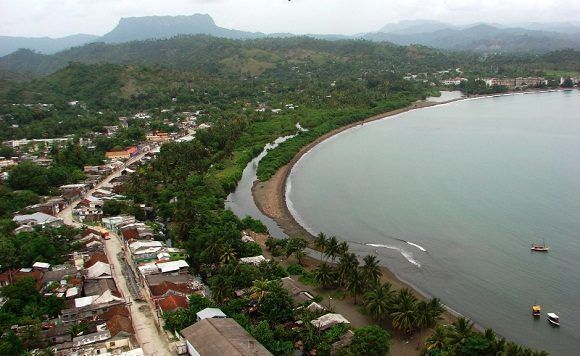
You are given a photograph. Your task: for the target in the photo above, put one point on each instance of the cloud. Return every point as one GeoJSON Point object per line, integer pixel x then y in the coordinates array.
{"type": "Point", "coordinates": [64, 17]}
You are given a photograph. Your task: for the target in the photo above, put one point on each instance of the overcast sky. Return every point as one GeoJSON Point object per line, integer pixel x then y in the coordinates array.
{"type": "Point", "coordinates": [56, 18]}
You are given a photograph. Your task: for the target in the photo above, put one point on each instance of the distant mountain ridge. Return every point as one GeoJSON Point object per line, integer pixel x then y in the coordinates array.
{"type": "Point", "coordinates": [477, 37]}
{"type": "Point", "coordinates": [45, 45]}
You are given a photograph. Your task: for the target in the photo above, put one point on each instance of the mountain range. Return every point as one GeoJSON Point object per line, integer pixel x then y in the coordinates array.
{"type": "Point", "coordinates": [531, 37]}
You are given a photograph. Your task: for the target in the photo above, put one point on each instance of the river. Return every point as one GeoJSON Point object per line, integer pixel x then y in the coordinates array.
{"type": "Point", "coordinates": [451, 197]}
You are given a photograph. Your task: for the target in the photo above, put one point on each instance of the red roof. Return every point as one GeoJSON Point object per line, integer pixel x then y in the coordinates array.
{"type": "Point", "coordinates": [115, 310]}
{"type": "Point", "coordinates": [129, 234]}
{"type": "Point", "coordinates": [131, 150]}
{"type": "Point", "coordinates": [173, 302]}
{"type": "Point", "coordinates": [120, 323]}
{"type": "Point", "coordinates": [96, 257]}
{"type": "Point", "coordinates": [18, 275]}
{"type": "Point", "coordinates": [88, 231]}
{"type": "Point", "coordinates": [164, 287]}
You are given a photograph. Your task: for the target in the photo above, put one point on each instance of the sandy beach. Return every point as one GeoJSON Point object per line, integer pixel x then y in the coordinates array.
{"type": "Point", "coordinates": [270, 198]}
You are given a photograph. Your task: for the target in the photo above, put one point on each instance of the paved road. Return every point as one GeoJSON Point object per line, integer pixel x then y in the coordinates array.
{"type": "Point", "coordinates": [150, 339]}
{"type": "Point", "coordinates": [66, 214]}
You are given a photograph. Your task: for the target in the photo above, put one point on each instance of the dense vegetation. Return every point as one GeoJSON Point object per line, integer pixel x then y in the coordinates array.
{"type": "Point", "coordinates": [234, 86]}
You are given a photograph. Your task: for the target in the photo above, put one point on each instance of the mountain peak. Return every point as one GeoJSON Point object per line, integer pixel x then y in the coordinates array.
{"type": "Point", "coordinates": [142, 28]}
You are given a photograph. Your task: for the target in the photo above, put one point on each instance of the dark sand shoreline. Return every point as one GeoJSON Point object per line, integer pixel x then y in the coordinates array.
{"type": "Point", "coordinates": [270, 196]}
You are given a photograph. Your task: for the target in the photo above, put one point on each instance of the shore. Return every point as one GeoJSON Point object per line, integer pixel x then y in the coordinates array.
{"type": "Point", "coordinates": [270, 196]}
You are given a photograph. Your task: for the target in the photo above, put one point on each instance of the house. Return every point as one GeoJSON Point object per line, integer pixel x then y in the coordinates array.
{"type": "Point", "coordinates": [97, 287]}
{"type": "Point", "coordinates": [96, 257]}
{"type": "Point", "coordinates": [221, 337]}
{"type": "Point", "coordinates": [179, 266]}
{"type": "Point", "coordinates": [166, 289]}
{"type": "Point", "coordinates": [299, 296]}
{"type": "Point", "coordinates": [328, 320]}
{"type": "Point", "coordinates": [172, 303]}
{"type": "Point", "coordinates": [120, 326]}
{"type": "Point", "coordinates": [41, 266]}
{"type": "Point", "coordinates": [72, 188]}
{"type": "Point", "coordinates": [209, 313]}
{"type": "Point", "coordinates": [99, 270]}
{"type": "Point", "coordinates": [123, 154]}
{"type": "Point", "coordinates": [10, 276]}
{"type": "Point", "coordinates": [38, 219]}
{"type": "Point", "coordinates": [90, 310]}
{"type": "Point", "coordinates": [256, 260]}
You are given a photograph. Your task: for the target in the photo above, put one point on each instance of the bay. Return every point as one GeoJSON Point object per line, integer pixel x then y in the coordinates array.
{"type": "Point", "coordinates": [472, 183]}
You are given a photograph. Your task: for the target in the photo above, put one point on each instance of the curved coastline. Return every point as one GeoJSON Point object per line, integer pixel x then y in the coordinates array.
{"type": "Point", "coordinates": [271, 196]}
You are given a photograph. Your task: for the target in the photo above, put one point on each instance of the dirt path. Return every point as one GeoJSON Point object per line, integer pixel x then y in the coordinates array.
{"type": "Point", "coordinates": [146, 332]}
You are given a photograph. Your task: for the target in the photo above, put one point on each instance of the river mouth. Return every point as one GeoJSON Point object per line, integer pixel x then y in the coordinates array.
{"type": "Point", "coordinates": [450, 198]}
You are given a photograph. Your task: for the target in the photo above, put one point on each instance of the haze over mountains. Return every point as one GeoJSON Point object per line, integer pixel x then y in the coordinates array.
{"type": "Point", "coordinates": [532, 37]}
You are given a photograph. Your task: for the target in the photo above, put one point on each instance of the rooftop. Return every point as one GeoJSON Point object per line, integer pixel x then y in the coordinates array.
{"type": "Point", "coordinates": [222, 337]}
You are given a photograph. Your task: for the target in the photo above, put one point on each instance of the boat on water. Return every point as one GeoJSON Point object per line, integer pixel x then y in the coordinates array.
{"type": "Point", "coordinates": [536, 310]}
{"type": "Point", "coordinates": [540, 248]}
{"type": "Point", "coordinates": [553, 319]}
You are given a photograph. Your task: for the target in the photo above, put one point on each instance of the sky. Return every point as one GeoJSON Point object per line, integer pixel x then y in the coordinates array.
{"type": "Point", "coordinates": [57, 18]}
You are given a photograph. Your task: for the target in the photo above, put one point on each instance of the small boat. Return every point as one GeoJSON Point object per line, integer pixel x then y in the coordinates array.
{"type": "Point", "coordinates": [553, 319]}
{"type": "Point", "coordinates": [540, 248]}
{"type": "Point", "coordinates": [536, 310]}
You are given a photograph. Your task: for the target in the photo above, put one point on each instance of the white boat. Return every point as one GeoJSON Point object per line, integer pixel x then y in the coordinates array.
{"type": "Point", "coordinates": [540, 248]}
{"type": "Point", "coordinates": [554, 319]}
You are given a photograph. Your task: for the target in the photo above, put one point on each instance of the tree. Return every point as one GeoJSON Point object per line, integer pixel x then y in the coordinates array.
{"type": "Point", "coordinates": [296, 246]}
{"type": "Point", "coordinates": [332, 249]}
{"type": "Point", "coordinates": [324, 275]}
{"type": "Point", "coordinates": [404, 311]}
{"type": "Point", "coordinates": [370, 341]}
{"type": "Point", "coordinates": [437, 340]}
{"type": "Point", "coordinates": [378, 300]}
{"type": "Point", "coordinates": [276, 305]}
{"type": "Point", "coordinates": [29, 176]}
{"type": "Point", "coordinates": [259, 289]}
{"type": "Point", "coordinates": [320, 243]}
{"type": "Point", "coordinates": [346, 265]}
{"type": "Point", "coordinates": [221, 288]}
{"type": "Point", "coordinates": [423, 316]}
{"type": "Point", "coordinates": [462, 330]}
{"type": "Point", "coordinates": [567, 83]}
{"type": "Point", "coordinates": [342, 248]}
{"type": "Point", "coordinates": [228, 254]}
{"type": "Point", "coordinates": [355, 284]}
{"type": "Point", "coordinates": [371, 272]}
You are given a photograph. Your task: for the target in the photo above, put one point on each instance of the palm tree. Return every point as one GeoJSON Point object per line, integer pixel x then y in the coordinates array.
{"type": "Point", "coordinates": [221, 288]}
{"type": "Point", "coordinates": [423, 315]}
{"type": "Point", "coordinates": [342, 248]}
{"type": "Point", "coordinates": [260, 289]}
{"type": "Point", "coordinates": [346, 265]}
{"type": "Point", "coordinates": [378, 300]}
{"type": "Point", "coordinates": [299, 255]}
{"type": "Point", "coordinates": [371, 272]}
{"type": "Point", "coordinates": [320, 243]}
{"type": "Point", "coordinates": [404, 310]}
{"type": "Point", "coordinates": [462, 330]}
{"type": "Point", "coordinates": [437, 340]}
{"type": "Point", "coordinates": [332, 250]}
{"type": "Point", "coordinates": [228, 254]}
{"type": "Point", "coordinates": [213, 252]}
{"type": "Point", "coordinates": [355, 284]}
{"type": "Point", "coordinates": [436, 308]}
{"type": "Point", "coordinates": [324, 275]}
